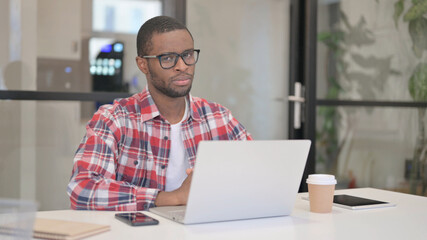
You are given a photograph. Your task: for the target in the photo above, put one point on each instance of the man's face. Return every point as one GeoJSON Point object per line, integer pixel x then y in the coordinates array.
{"type": "Point", "coordinates": [176, 81]}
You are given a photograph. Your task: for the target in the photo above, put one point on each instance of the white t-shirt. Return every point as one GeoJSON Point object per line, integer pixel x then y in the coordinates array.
{"type": "Point", "coordinates": [178, 160]}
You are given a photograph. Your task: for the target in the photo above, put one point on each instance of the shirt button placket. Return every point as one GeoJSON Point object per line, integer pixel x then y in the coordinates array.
{"type": "Point", "coordinates": [164, 166]}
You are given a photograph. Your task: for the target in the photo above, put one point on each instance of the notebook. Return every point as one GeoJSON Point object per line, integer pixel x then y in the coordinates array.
{"type": "Point", "coordinates": [69, 230]}
{"type": "Point", "coordinates": [236, 180]}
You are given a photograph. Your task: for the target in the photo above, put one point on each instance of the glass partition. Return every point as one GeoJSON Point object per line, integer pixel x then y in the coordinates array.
{"type": "Point", "coordinates": [56, 45]}
{"type": "Point", "coordinates": [372, 51]}
{"type": "Point", "coordinates": [123, 16]}
{"type": "Point", "coordinates": [369, 50]}
{"type": "Point", "coordinates": [38, 142]}
{"type": "Point", "coordinates": [373, 147]}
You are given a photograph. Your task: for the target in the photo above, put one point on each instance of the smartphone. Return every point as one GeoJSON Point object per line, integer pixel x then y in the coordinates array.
{"type": "Point", "coordinates": [355, 203]}
{"type": "Point", "coordinates": [136, 219]}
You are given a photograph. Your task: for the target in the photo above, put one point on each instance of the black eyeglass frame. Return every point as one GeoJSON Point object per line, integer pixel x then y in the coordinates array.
{"type": "Point", "coordinates": [177, 55]}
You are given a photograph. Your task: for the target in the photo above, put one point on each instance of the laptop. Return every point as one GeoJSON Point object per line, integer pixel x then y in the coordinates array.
{"type": "Point", "coordinates": [235, 180]}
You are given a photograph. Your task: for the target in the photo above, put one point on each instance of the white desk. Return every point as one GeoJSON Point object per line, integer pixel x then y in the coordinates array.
{"type": "Point", "coordinates": [408, 220]}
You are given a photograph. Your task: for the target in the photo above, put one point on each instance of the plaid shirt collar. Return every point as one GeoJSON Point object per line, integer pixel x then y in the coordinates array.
{"type": "Point", "coordinates": [150, 111]}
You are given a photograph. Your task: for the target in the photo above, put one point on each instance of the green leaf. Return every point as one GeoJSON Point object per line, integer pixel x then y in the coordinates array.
{"type": "Point", "coordinates": [322, 36]}
{"type": "Point", "coordinates": [418, 33]}
{"type": "Point", "coordinates": [398, 10]}
{"type": "Point", "coordinates": [331, 39]}
{"type": "Point", "coordinates": [416, 11]}
{"type": "Point", "coordinates": [417, 51]}
{"type": "Point", "coordinates": [417, 84]}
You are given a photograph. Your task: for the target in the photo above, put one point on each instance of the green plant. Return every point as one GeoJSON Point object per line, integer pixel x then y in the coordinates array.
{"type": "Point", "coordinates": [418, 82]}
{"type": "Point", "coordinates": [327, 135]}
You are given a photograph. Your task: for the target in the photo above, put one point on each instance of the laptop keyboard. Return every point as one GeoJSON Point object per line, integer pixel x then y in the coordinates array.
{"type": "Point", "coordinates": [177, 215]}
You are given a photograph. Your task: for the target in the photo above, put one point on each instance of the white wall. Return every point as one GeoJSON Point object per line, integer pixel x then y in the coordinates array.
{"type": "Point", "coordinates": [243, 63]}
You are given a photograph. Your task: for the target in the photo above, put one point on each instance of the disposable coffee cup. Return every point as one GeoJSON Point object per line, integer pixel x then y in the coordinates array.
{"type": "Point", "coordinates": [321, 189]}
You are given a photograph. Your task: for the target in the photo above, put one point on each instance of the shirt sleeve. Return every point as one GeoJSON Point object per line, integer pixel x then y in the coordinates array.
{"type": "Point", "coordinates": [93, 183]}
{"type": "Point", "coordinates": [236, 130]}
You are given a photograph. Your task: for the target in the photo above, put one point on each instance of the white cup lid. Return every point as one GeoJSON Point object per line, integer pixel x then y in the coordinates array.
{"type": "Point", "coordinates": [321, 179]}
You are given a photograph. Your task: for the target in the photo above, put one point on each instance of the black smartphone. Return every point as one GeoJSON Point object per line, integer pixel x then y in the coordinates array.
{"type": "Point", "coordinates": [353, 202]}
{"type": "Point", "coordinates": [136, 219]}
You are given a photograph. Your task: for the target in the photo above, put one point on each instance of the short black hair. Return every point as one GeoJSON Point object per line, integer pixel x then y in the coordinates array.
{"type": "Point", "coordinates": [159, 24]}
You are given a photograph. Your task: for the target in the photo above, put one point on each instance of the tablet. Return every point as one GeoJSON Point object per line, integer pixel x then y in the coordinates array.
{"type": "Point", "coordinates": [355, 203]}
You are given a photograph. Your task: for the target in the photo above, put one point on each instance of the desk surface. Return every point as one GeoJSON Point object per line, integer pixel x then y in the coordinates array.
{"type": "Point", "coordinates": [408, 220]}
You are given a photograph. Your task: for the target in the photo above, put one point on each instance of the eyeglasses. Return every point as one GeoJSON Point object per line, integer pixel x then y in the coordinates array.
{"type": "Point", "coordinates": [169, 60]}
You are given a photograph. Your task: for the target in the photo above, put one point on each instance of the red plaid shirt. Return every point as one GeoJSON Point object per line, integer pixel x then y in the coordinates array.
{"type": "Point", "coordinates": [121, 162]}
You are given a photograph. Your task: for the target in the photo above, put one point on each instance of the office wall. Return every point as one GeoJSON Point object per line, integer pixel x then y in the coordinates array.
{"type": "Point", "coordinates": [243, 62]}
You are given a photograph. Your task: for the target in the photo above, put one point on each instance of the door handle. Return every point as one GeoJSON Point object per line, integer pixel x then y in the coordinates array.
{"type": "Point", "coordinates": [298, 101]}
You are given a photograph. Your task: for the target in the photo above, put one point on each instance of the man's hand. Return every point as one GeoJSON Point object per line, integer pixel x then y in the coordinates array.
{"type": "Point", "coordinates": [178, 196]}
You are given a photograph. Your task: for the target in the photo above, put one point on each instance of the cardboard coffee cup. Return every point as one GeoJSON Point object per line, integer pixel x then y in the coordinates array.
{"type": "Point", "coordinates": [321, 189]}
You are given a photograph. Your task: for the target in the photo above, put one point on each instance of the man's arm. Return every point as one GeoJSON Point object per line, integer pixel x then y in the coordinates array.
{"type": "Point", "coordinates": [176, 197]}
{"type": "Point", "coordinates": [93, 184]}
{"type": "Point", "coordinates": [236, 131]}
{"type": "Point", "coordinates": [90, 191]}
